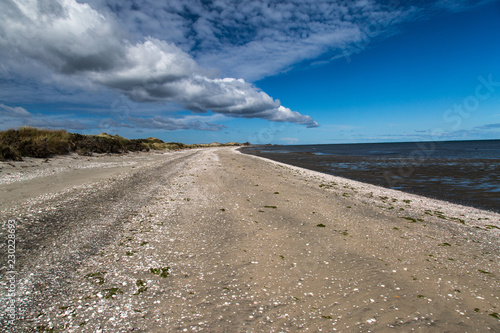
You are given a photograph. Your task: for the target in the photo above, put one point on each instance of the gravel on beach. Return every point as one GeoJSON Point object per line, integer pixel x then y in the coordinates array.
{"type": "Point", "coordinates": [212, 240]}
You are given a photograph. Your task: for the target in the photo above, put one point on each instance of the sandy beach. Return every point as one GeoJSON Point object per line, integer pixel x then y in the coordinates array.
{"type": "Point", "coordinates": [212, 240]}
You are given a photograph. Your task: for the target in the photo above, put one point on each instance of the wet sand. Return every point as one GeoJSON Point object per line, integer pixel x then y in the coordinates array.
{"type": "Point", "coordinates": [471, 182]}
{"type": "Point", "coordinates": [217, 241]}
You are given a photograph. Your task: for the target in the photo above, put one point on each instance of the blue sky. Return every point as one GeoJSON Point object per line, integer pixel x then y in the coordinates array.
{"type": "Point", "coordinates": [293, 72]}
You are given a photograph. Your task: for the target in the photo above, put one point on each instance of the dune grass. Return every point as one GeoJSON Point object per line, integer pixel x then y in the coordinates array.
{"type": "Point", "coordinates": [44, 143]}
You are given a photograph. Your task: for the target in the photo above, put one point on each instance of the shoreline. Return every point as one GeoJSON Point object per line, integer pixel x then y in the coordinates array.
{"type": "Point", "coordinates": [367, 188]}
{"type": "Point", "coordinates": [216, 240]}
{"type": "Point", "coordinates": [458, 181]}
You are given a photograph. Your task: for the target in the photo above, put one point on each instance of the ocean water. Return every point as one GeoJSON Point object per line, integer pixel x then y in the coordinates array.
{"type": "Point", "coordinates": [464, 172]}
{"type": "Point", "coordinates": [483, 149]}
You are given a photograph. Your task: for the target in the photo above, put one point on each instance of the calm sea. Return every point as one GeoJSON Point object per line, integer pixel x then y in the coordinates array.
{"type": "Point", "coordinates": [465, 172]}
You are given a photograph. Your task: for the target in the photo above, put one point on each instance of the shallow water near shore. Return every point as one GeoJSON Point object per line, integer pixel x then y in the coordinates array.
{"type": "Point", "coordinates": [464, 172]}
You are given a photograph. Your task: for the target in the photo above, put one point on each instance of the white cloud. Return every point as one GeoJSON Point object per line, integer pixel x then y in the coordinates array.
{"type": "Point", "coordinates": [258, 38]}
{"type": "Point", "coordinates": [16, 112]}
{"type": "Point", "coordinates": [64, 35]}
{"type": "Point", "coordinates": [58, 122]}
{"type": "Point", "coordinates": [17, 116]}
{"type": "Point", "coordinates": [169, 124]}
{"type": "Point", "coordinates": [255, 39]}
{"type": "Point", "coordinates": [487, 127]}
{"type": "Point", "coordinates": [459, 5]}
{"type": "Point", "coordinates": [170, 51]}
{"type": "Point", "coordinates": [290, 141]}
{"type": "Point", "coordinates": [74, 39]}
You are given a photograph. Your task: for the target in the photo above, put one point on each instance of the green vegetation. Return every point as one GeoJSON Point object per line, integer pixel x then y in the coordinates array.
{"type": "Point", "coordinates": [162, 271]}
{"type": "Point", "coordinates": [483, 271]}
{"type": "Point", "coordinates": [411, 219]}
{"type": "Point", "coordinates": [112, 292]}
{"type": "Point", "coordinates": [142, 287]}
{"type": "Point", "coordinates": [490, 226]}
{"type": "Point", "coordinates": [42, 328]}
{"type": "Point", "coordinates": [44, 143]}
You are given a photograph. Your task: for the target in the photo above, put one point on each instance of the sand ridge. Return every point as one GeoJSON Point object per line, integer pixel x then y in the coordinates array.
{"type": "Point", "coordinates": [235, 243]}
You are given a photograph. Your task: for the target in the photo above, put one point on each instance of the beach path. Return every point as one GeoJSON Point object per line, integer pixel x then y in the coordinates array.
{"type": "Point", "coordinates": [213, 240]}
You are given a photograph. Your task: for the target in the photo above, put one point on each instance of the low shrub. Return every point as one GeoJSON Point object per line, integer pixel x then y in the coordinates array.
{"type": "Point", "coordinates": [43, 143]}
{"type": "Point", "coordinates": [9, 153]}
